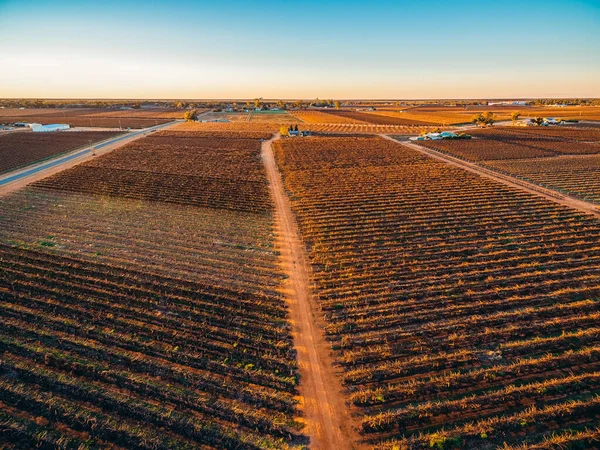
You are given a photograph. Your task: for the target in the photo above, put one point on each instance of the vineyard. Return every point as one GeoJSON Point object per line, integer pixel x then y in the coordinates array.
{"type": "Point", "coordinates": [377, 119]}
{"type": "Point", "coordinates": [153, 113]}
{"type": "Point", "coordinates": [313, 116]}
{"type": "Point", "coordinates": [128, 321]}
{"type": "Point", "coordinates": [516, 143]}
{"type": "Point", "coordinates": [577, 176]}
{"type": "Point", "coordinates": [177, 168]}
{"type": "Point", "coordinates": [21, 149]}
{"type": "Point", "coordinates": [564, 159]}
{"type": "Point", "coordinates": [366, 128]}
{"type": "Point", "coordinates": [268, 128]}
{"type": "Point", "coordinates": [91, 117]}
{"type": "Point", "coordinates": [463, 312]}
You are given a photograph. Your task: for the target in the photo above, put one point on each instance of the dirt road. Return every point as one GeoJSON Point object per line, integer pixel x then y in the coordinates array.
{"type": "Point", "coordinates": [326, 416]}
{"type": "Point", "coordinates": [549, 194]}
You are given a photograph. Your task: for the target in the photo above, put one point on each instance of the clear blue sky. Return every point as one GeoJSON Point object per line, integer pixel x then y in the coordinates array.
{"type": "Point", "coordinates": [308, 49]}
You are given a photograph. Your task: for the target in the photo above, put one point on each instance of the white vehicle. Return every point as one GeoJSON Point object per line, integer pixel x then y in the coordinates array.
{"type": "Point", "coordinates": [551, 121]}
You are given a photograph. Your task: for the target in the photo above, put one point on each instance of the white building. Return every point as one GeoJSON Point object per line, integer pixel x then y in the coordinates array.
{"type": "Point", "coordinates": [39, 128]}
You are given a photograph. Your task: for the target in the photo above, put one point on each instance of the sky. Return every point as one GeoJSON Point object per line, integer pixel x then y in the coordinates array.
{"type": "Point", "coordinates": [309, 49]}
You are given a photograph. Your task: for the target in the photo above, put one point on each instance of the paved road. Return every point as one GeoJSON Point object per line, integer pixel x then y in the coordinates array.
{"type": "Point", "coordinates": [32, 170]}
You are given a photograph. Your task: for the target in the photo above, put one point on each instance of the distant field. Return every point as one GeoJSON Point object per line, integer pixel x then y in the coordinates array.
{"type": "Point", "coordinates": [266, 127]}
{"type": "Point", "coordinates": [154, 113]}
{"type": "Point", "coordinates": [450, 115]}
{"type": "Point", "coordinates": [273, 117]}
{"type": "Point", "coordinates": [365, 128]}
{"type": "Point", "coordinates": [21, 149]}
{"type": "Point", "coordinates": [312, 116]}
{"type": "Point", "coordinates": [377, 119]}
{"type": "Point", "coordinates": [565, 159]}
{"type": "Point", "coordinates": [92, 117]}
{"type": "Point", "coordinates": [462, 312]}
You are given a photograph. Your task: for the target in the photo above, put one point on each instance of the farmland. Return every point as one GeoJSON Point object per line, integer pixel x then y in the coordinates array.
{"type": "Point", "coordinates": [92, 117]}
{"type": "Point", "coordinates": [137, 318]}
{"type": "Point", "coordinates": [564, 159]}
{"type": "Point", "coordinates": [377, 119]}
{"type": "Point", "coordinates": [452, 115]}
{"type": "Point", "coordinates": [577, 176]}
{"type": "Point", "coordinates": [177, 168]}
{"type": "Point", "coordinates": [20, 149]}
{"type": "Point", "coordinates": [463, 312]}
{"type": "Point", "coordinates": [313, 116]}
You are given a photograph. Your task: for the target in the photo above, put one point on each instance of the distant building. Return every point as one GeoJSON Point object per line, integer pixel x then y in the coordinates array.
{"type": "Point", "coordinates": [39, 128]}
{"type": "Point", "coordinates": [508, 103]}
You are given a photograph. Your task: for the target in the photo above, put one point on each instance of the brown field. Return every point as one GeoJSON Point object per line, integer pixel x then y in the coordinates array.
{"type": "Point", "coordinates": [498, 143]}
{"type": "Point", "coordinates": [576, 176]}
{"type": "Point", "coordinates": [90, 117]}
{"type": "Point", "coordinates": [131, 317]}
{"type": "Point", "coordinates": [20, 149]}
{"type": "Point", "coordinates": [6, 114]}
{"type": "Point", "coordinates": [153, 113]}
{"type": "Point", "coordinates": [263, 127]}
{"type": "Point", "coordinates": [377, 119]}
{"type": "Point", "coordinates": [366, 128]}
{"type": "Point", "coordinates": [177, 168]}
{"type": "Point", "coordinates": [282, 118]}
{"type": "Point", "coordinates": [313, 116]}
{"type": "Point", "coordinates": [462, 311]}
{"type": "Point", "coordinates": [450, 115]}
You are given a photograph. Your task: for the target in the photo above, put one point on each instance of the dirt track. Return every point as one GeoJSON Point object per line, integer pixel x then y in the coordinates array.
{"type": "Point", "coordinates": [328, 424]}
{"type": "Point", "coordinates": [531, 188]}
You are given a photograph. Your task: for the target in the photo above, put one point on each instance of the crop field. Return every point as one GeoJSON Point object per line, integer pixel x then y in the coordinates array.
{"type": "Point", "coordinates": [377, 119]}
{"type": "Point", "coordinates": [176, 168]}
{"type": "Point", "coordinates": [564, 159]}
{"type": "Point", "coordinates": [577, 176]}
{"type": "Point", "coordinates": [441, 115]}
{"type": "Point", "coordinates": [519, 143]}
{"type": "Point", "coordinates": [463, 312]}
{"type": "Point", "coordinates": [312, 116]}
{"type": "Point", "coordinates": [366, 128]}
{"type": "Point", "coordinates": [130, 321]}
{"type": "Point", "coordinates": [20, 149]}
{"type": "Point", "coordinates": [88, 117]}
{"type": "Point", "coordinates": [268, 128]}
{"type": "Point", "coordinates": [451, 115]}
{"type": "Point", "coordinates": [146, 113]}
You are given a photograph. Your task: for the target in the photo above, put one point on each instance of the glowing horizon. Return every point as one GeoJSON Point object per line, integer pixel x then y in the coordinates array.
{"type": "Point", "coordinates": [346, 50]}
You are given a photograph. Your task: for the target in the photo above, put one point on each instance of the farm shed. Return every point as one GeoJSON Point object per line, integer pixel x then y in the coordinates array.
{"type": "Point", "coordinates": [38, 128]}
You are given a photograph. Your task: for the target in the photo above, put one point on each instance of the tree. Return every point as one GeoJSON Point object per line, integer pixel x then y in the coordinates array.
{"type": "Point", "coordinates": [256, 103]}
{"type": "Point", "coordinates": [487, 118]}
{"type": "Point", "coordinates": [281, 104]}
{"type": "Point", "coordinates": [515, 116]}
{"type": "Point", "coordinates": [191, 115]}
{"type": "Point", "coordinates": [284, 130]}
{"type": "Point", "coordinates": [336, 104]}
{"type": "Point", "coordinates": [538, 120]}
